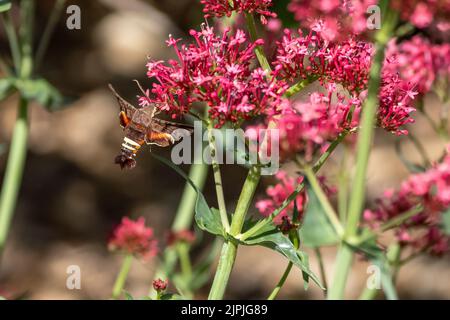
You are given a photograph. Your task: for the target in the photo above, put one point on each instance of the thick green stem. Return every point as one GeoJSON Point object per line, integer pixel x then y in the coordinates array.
{"type": "Point", "coordinates": [17, 154]}
{"type": "Point", "coordinates": [14, 171]}
{"type": "Point", "coordinates": [229, 249]}
{"type": "Point", "coordinates": [122, 276]}
{"type": "Point", "coordinates": [365, 137]}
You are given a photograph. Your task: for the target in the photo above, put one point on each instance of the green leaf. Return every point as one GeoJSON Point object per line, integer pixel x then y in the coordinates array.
{"type": "Point", "coordinates": [42, 92]}
{"type": "Point", "coordinates": [6, 87]}
{"type": "Point", "coordinates": [271, 237]}
{"type": "Point", "coordinates": [446, 222]}
{"type": "Point", "coordinates": [171, 296]}
{"type": "Point", "coordinates": [127, 295]}
{"type": "Point", "coordinates": [316, 229]}
{"type": "Point", "coordinates": [5, 5]}
{"type": "Point", "coordinates": [207, 219]}
{"type": "Point", "coordinates": [377, 256]}
{"type": "Point", "coordinates": [305, 258]}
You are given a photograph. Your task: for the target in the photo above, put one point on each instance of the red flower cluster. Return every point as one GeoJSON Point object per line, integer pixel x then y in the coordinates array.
{"type": "Point", "coordinates": [278, 193]}
{"type": "Point", "coordinates": [347, 63]}
{"type": "Point", "coordinates": [133, 237]}
{"type": "Point", "coordinates": [421, 62]}
{"type": "Point", "coordinates": [423, 231]}
{"type": "Point", "coordinates": [337, 18]}
{"type": "Point", "coordinates": [216, 70]}
{"type": "Point", "coordinates": [311, 56]}
{"type": "Point", "coordinates": [220, 8]}
{"type": "Point", "coordinates": [421, 13]}
{"type": "Point", "coordinates": [160, 285]}
{"type": "Point", "coordinates": [307, 127]}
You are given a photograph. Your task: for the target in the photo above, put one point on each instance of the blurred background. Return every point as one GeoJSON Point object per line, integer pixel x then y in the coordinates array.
{"type": "Point", "coordinates": [73, 194]}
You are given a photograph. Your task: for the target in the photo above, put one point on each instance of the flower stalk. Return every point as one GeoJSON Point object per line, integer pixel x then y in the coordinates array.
{"type": "Point", "coordinates": [365, 137]}
{"type": "Point", "coordinates": [122, 276]}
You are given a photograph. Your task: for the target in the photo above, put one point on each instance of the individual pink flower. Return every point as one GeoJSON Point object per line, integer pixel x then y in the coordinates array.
{"type": "Point", "coordinates": [218, 71]}
{"type": "Point", "coordinates": [422, 232]}
{"type": "Point", "coordinates": [133, 237]}
{"type": "Point", "coordinates": [220, 8]}
{"type": "Point", "coordinates": [276, 195]}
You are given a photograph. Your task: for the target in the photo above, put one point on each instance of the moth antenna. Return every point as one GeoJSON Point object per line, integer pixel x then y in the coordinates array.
{"type": "Point", "coordinates": [112, 89]}
{"type": "Point", "coordinates": [140, 88]}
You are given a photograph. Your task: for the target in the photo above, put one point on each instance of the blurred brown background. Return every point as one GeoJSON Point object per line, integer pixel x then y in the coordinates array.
{"type": "Point", "coordinates": [72, 194]}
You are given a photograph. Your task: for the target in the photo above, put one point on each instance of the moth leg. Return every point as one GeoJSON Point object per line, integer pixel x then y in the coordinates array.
{"type": "Point", "coordinates": [159, 138]}
{"type": "Point", "coordinates": [124, 120]}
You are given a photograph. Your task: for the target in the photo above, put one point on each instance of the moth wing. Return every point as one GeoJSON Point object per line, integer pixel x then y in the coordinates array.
{"type": "Point", "coordinates": [164, 133]}
{"type": "Point", "coordinates": [127, 110]}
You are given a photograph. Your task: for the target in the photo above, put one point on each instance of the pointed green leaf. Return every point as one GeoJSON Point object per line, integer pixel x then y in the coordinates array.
{"type": "Point", "coordinates": [271, 237]}
{"type": "Point", "coordinates": [207, 219]}
{"type": "Point", "coordinates": [42, 92]}
{"type": "Point", "coordinates": [171, 296]}
{"type": "Point", "coordinates": [316, 229]}
{"type": "Point", "coordinates": [127, 295]}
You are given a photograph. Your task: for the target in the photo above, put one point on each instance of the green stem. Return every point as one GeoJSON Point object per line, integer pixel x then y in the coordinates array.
{"type": "Point", "coordinates": [343, 182]}
{"type": "Point", "coordinates": [420, 148]}
{"type": "Point", "coordinates": [218, 180]}
{"type": "Point", "coordinates": [14, 171]}
{"type": "Point", "coordinates": [229, 249]}
{"type": "Point", "coordinates": [365, 137]}
{"type": "Point", "coordinates": [183, 217]}
{"type": "Point", "coordinates": [122, 276]}
{"type": "Point", "coordinates": [48, 31]}
{"type": "Point", "coordinates": [185, 261]}
{"type": "Point", "coordinates": [280, 284]}
{"type": "Point", "coordinates": [323, 274]}
{"type": "Point", "coordinates": [299, 86]}
{"type": "Point", "coordinates": [17, 154]}
{"type": "Point", "coordinates": [319, 163]}
{"type": "Point", "coordinates": [321, 196]}
{"type": "Point", "coordinates": [293, 235]}
{"type": "Point", "coordinates": [259, 50]}
{"type": "Point", "coordinates": [12, 39]}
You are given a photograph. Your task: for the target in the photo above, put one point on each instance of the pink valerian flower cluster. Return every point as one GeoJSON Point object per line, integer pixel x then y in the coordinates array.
{"type": "Point", "coordinates": [342, 17]}
{"type": "Point", "coordinates": [218, 71]}
{"type": "Point", "coordinates": [421, 13]}
{"type": "Point", "coordinates": [346, 63]}
{"type": "Point", "coordinates": [420, 62]}
{"type": "Point", "coordinates": [278, 193]}
{"type": "Point", "coordinates": [133, 237]}
{"type": "Point", "coordinates": [311, 56]}
{"type": "Point", "coordinates": [423, 231]}
{"type": "Point", "coordinates": [220, 8]}
{"type": "Point", "coordinates": [337, 18]}
{"type": "Point", "coordinates": [307, 127]}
